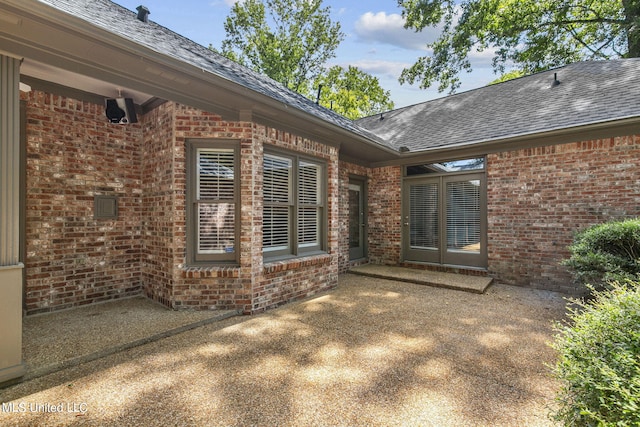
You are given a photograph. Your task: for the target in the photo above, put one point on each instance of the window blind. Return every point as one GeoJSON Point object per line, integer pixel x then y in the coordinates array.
{"type": "Point", "coordinates": [463, 216]}
{"type": "Point", "coordinates": [278, 199]}
{"type": "Point", "coordinates": [293, 205]}
{"type": "Point", "coordinates": [423, 216]}
{"type": "Point", "coordinates": [215, 200]}
{"type": "Point", "coordinates": [309, 197]}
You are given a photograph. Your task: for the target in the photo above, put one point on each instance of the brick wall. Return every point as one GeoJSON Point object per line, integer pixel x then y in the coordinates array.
{"type": "Point", "coordinates": [385, 215]}
{"type": "Point", "coordinates": [251, 286]}
{"type": "Point", "coordinates": [224, 287]}
{"type": "Point", "coordinates": [158, 201]}
{"type": "Point", "coordinates": [283, 281]}
{"type": "Point", "coordinates": [538, 198]}
{"type": "Point", "coordinates": [73, 153]}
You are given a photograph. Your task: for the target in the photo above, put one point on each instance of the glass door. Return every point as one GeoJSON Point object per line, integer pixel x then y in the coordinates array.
{"type": "Point", "coordinates": [357, 219]}
{"type": "Point", "coordinates": [444, 220]}
{"type": "Point", "coordinates": [463, 221]}
{"type": "Point", "coordinates": [422, 220]}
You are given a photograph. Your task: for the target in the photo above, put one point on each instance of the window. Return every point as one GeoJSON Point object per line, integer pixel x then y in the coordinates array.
{"type": "Point", "coordinates": [465, 165]}
{"type": "Point", "coordinates": [294, 207]}
{"type": "Point", "coordinates": [212, 207]}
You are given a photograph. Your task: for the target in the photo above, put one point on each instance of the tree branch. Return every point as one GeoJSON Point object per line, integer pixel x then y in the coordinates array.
{"type": "Point", "coordinates": [597, 51]}
{"type": "Point", "coordinates": [567, 22]}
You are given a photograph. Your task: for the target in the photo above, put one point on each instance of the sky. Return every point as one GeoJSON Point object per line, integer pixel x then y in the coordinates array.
{"type": "Point", "coordinates": [375, 40]}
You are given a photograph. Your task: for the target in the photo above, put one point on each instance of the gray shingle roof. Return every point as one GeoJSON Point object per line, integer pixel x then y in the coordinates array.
{"type": "Point", "coordinates": [588, 93]}
{"type": "Point", "coordinates": [123, 22]}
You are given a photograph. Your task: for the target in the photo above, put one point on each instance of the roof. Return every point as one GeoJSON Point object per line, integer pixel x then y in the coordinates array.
{"type": "Point", "coordinates": [588, 93]}
{"type": "Point", "coordinates": [101, 39]}
{"type": "Point", "coordinates": [123, 22]}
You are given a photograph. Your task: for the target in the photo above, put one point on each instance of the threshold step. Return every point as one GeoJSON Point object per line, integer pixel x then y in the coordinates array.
{"type": "Point", "coordinates": [460, 282]}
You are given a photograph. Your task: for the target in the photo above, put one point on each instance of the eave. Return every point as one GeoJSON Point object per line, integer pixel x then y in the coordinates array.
{"type": "Point", "coordinates": [34, 30]}
{"type": "Point", "coordinates": [587, 132]}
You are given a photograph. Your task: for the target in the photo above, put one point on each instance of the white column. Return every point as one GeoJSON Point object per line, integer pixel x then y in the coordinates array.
{"type": "Point", "coordinates": [11, 365]}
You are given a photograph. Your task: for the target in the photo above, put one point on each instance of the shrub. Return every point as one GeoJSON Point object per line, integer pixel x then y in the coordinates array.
{"type": "Point", "coordinates": [606, 252]}
{"type": "Point", "coordinates": [599, 360]}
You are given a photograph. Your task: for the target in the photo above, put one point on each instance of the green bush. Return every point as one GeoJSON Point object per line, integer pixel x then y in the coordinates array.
{"type": "Point", "coordinates": [605, 253]}
{"type": "Point", "coordinates": [599, 360]}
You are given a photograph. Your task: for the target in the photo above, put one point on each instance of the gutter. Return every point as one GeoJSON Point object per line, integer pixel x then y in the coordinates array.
{"type": "Point", "coordinates": [587, 132]}
{"type": "Point", "coordinates": [174, 78]}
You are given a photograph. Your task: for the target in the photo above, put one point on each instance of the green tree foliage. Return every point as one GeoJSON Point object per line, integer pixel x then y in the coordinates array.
{"type": "Point", "coordinates": [511, 75]}
{"type": "Point", "coordinates": [352, 93]}
{"type": "Point", "coordinates": [531, 35]}
{"type": "Point", "coordinates": [287, 40]}
{"type": "Point", "coordinates": [291, 41]}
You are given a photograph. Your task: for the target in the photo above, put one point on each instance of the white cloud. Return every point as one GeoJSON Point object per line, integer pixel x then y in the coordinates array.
{"type": "Point", "coordinates": [380, 68]}
{"type": "Point", "coordinates": [482, 59]}
{"type": "Point", "coordinates": [389, 28]}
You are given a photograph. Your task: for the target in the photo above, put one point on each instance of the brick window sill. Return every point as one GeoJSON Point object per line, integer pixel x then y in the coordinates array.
{"type": "Point", "coordinates": [296, 263]}
{"type": "Point", "coordinates": [230, 271]}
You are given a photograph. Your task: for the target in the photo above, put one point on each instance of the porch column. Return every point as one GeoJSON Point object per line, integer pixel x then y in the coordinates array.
{"type": "Point", "coordinates": [11, 365]}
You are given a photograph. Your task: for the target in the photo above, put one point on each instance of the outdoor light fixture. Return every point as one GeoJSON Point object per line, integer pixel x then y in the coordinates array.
{"type": "Point", "coordinates": [121, 111]}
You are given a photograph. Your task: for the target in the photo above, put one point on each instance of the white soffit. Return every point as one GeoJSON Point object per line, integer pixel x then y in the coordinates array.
{"type": "Point", "coordinates": [81, 82]}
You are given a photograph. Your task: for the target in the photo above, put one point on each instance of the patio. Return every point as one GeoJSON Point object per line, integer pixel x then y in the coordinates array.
{"type": "Point", "coordinates": [371, 352]}
{"type": "Point", "coordinates": [54, 341]}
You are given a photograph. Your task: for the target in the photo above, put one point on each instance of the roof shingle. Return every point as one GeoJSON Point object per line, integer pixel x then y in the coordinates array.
{"type": "Point", "coordinates": [589, 92]}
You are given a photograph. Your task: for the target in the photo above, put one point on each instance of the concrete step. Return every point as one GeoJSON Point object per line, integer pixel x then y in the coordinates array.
{"type": "Point", "coordinates": [460, 282]}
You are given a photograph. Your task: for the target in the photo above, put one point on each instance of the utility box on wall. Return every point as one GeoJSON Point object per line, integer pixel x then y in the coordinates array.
{"type": "Point", "coordinates": [105, 207]}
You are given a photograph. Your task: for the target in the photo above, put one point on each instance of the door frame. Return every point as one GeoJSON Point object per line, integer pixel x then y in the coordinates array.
{"type": "Point", "coordinates": [362, 250]}
{"type": "Point", "coordinates": [442, 256]}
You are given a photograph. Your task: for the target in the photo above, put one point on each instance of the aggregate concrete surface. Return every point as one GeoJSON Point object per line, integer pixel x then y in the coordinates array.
{"type": "Point", "coordinates": [372, 352]}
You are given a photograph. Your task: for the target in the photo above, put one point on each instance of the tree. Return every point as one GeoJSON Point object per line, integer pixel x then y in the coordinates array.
{"type": "Point", "coordinates": [291, 41]}
{"type": "Point", "coordinates": [352, 93]}
{"type": "Point", "coordinates": [287, 40]}
{"type": "Point", "coordinates": [531, 35]}
{"type": "Point", "coordinates": [511, 75]}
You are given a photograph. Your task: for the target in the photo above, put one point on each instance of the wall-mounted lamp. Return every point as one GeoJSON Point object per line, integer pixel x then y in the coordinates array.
{"type": "Point", "coordinates": [121, 110]}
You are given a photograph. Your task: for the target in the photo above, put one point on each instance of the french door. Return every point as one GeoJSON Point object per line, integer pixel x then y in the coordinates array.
{"type": "Point", "coordinates": [444, 220]}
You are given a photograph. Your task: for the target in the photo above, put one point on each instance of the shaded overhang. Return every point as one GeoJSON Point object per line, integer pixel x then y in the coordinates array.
{"type": "Point", "coordinates": [71, 52]}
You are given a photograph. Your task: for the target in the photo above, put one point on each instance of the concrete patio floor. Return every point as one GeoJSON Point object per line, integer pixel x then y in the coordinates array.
{"type": "Point", "coordinates": [373, 352]}
{"type": "Point", "coordinates": [54, 341]}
